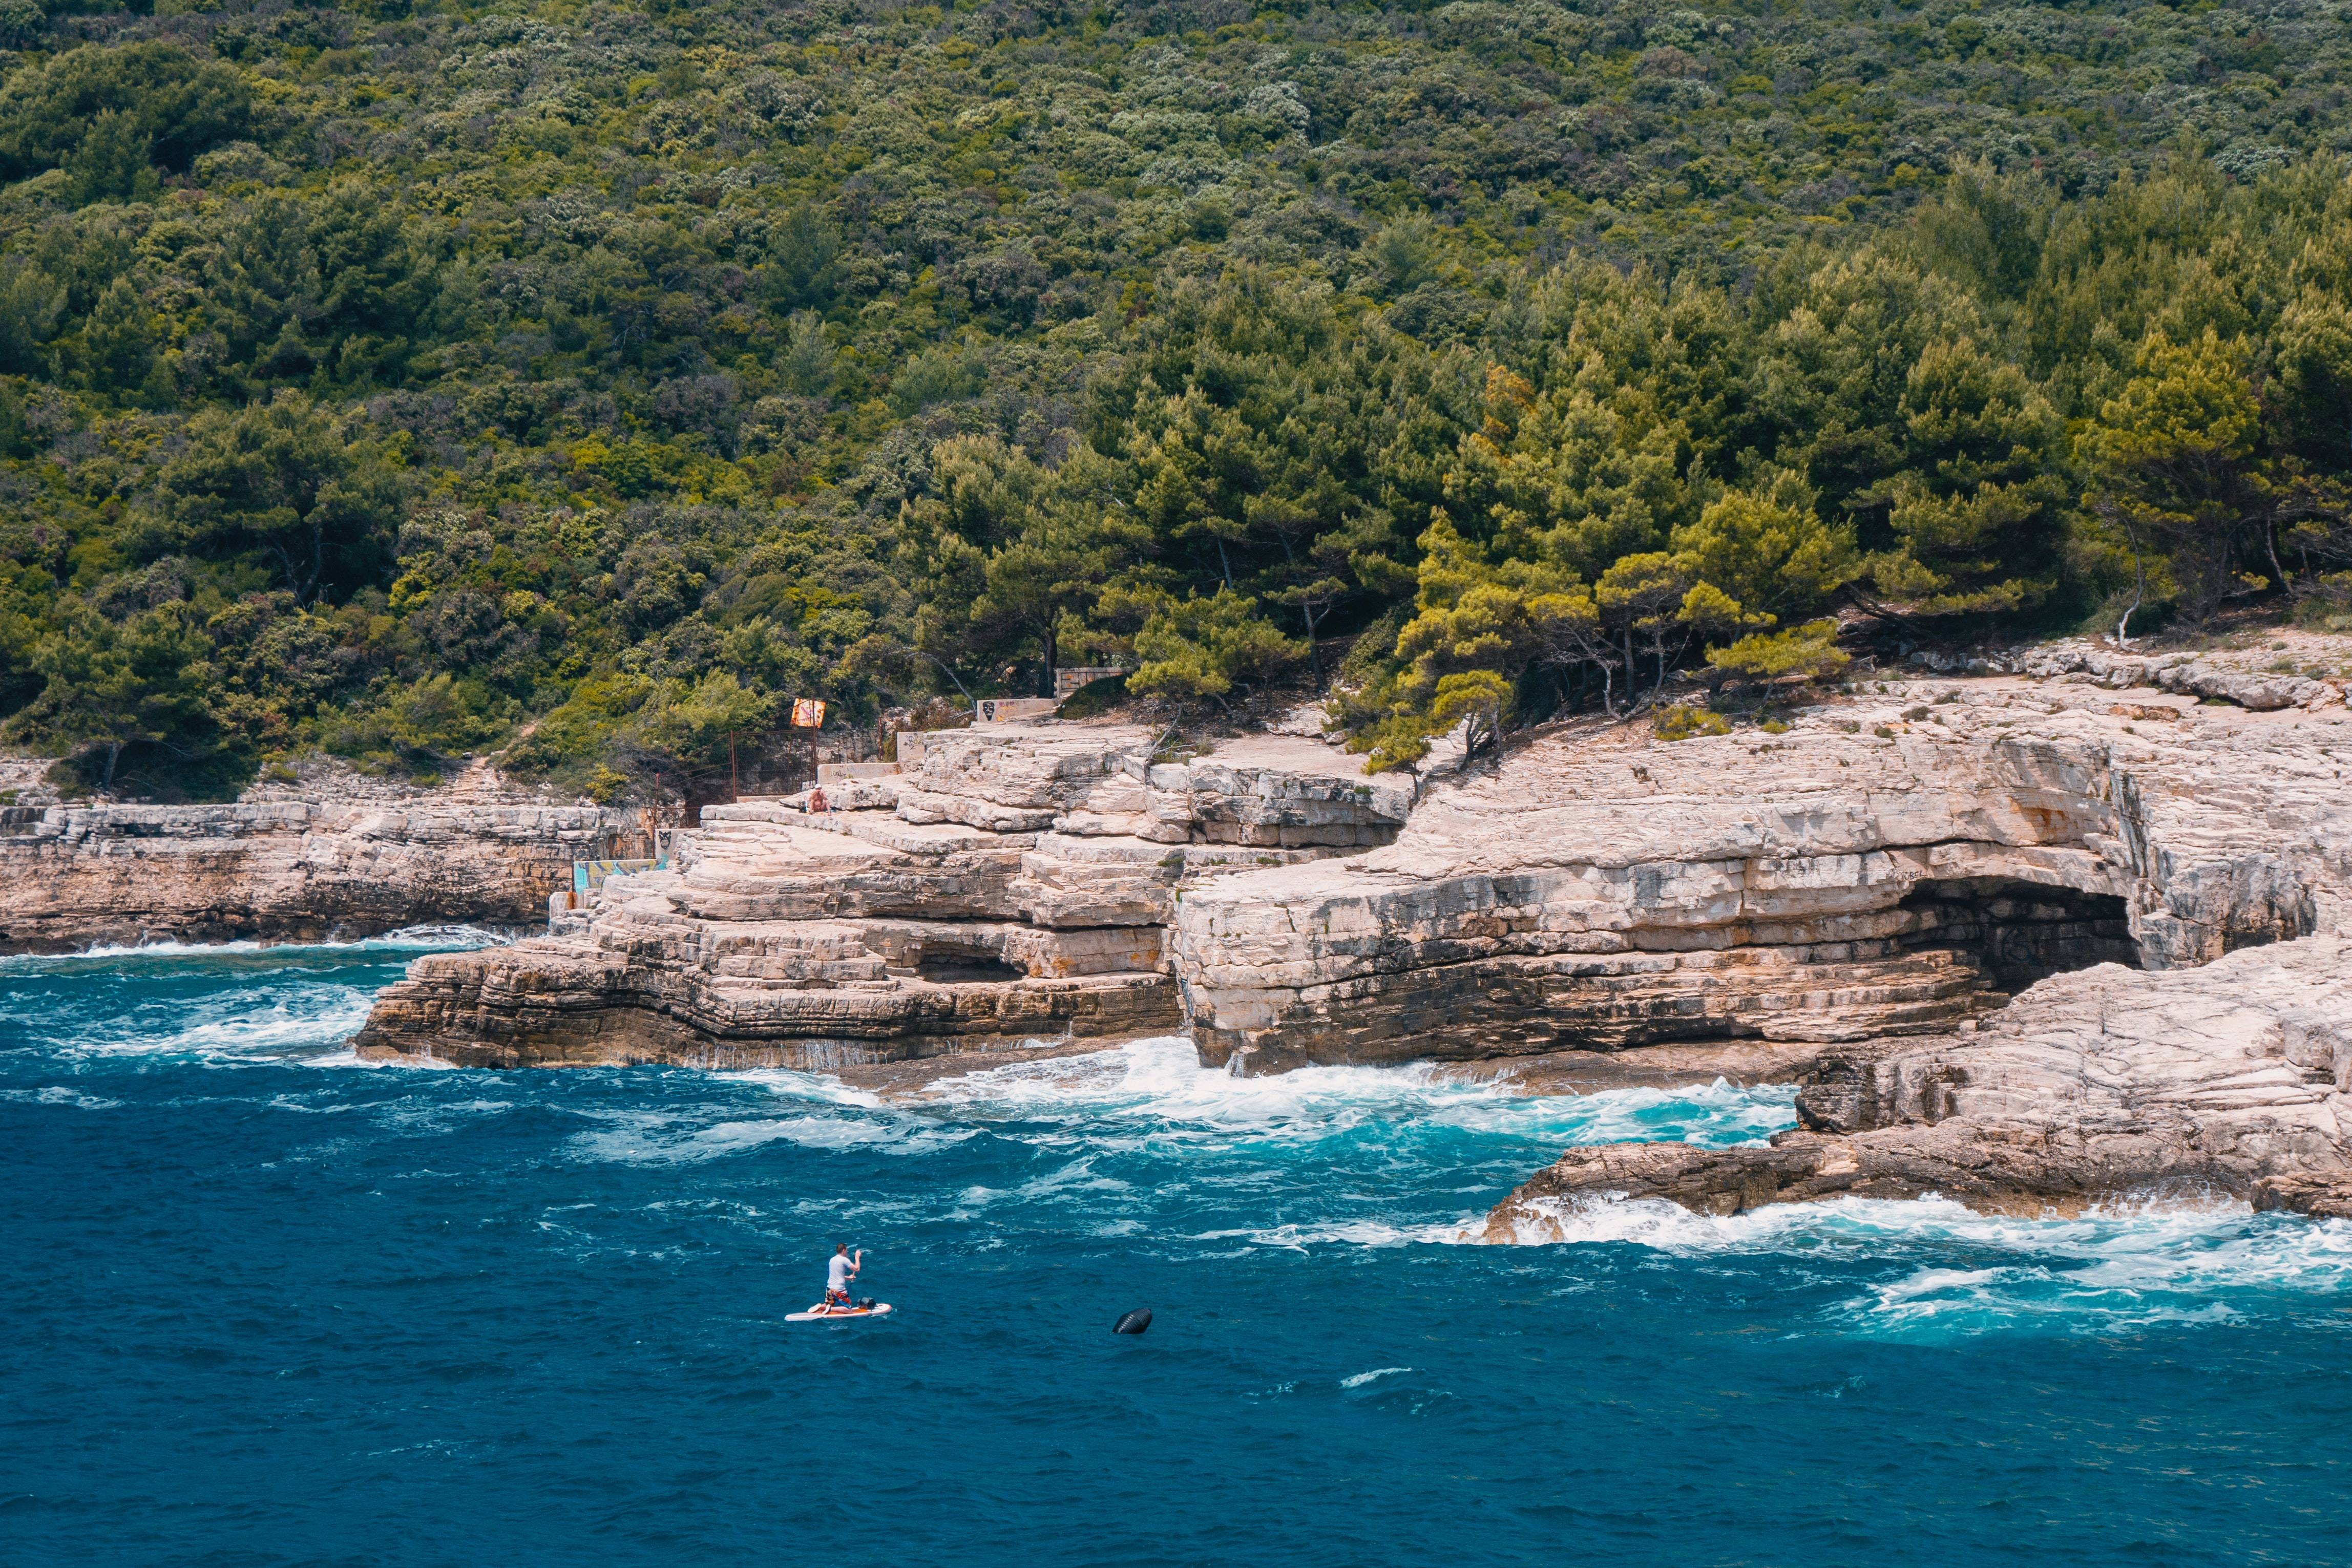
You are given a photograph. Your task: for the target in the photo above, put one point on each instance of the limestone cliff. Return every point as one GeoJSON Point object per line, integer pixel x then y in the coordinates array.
{"type": "Point", "coordinates": [1894, 863]}
{"type": "Point", "coordinates": [343, 857]}
{"type": "Point", "coordinates": [1012, 884]}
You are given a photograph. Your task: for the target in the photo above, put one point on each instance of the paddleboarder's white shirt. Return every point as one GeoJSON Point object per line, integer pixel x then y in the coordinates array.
{"type": "Point", "coordinates": [837, 1273]}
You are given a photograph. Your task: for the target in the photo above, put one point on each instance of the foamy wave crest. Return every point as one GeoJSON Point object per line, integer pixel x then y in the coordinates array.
{"type": "Point", "coordinates": [1379, 1372]}
{"type": "Point", "coordinates": [2134, 1268]}
{"type": "Point", "coordinates": [224, 1002]}
{"type": "Point", "coordinates": [1354, 1233]}
{"type": "Point", "coordinates": [1159, 1085]}
{"type": "Point", "coordinates": [402, 1062]}
{"type": "Point", "coordinates": [2108, 1270]}
{"type": "Point", "coordinates": [135, 957]}
{"type": "Point", "coordinates": [852, 1119]}
{"type": "Point", "coordinates": [313, 1021]}
{"type": "Point", "coordinates": [821, 1086]}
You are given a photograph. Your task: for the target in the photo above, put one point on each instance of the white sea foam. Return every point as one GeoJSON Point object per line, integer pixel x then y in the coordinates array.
{"type": "Point", "coordinates": [2108, 1270]}
{"type": "Point", "coordinates": [403, 1063]}
{"type": "Point", "coordinates": [282, 1031]}
{"type": "Point", "coordinates": [646, 1139]}
{"type": "Point", "coordinates": [286, 1002]}
{"type": "Point", "coordinates": [59, 1094]}
{"type": "Point", "coordinates": [1363, 1377]}
{"type": "Point", "coordinates": [420, 939]}
{"type": "Point", "coordinates": [1158, 1086]}
{"type": "Point", "coordinates": [1358, 1232]}
{"type": "Point", "coordinates": [810, 1086]}
{"type": "Point", "coordinates": [265, 1024]}
{"type": "Point", "coordinates": [1154, 1096]}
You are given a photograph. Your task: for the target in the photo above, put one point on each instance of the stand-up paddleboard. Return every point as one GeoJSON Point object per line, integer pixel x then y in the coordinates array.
{"type": "Point", "coordinates": [820, 1315]}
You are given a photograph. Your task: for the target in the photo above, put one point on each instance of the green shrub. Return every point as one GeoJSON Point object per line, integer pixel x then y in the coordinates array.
{"type": "Point", "coordinates": [1807, 653]}
{"type": "Point", "coordinates": [1681, 721]}
{"type": "Point", "coordinates": [1095, 698]}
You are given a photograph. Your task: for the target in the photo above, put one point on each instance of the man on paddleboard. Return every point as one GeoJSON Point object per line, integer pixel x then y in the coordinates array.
{"type": "Point", "coordinates": [839, 1271]}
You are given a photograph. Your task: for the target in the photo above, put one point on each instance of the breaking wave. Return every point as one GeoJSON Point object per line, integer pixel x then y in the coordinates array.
{"type": "Point", "coordinates": [2123, 1267]}
{"type": "Point", "coordinates": [224, 1003]}
{"type": "Point", "coordinates": [1159, 1086]}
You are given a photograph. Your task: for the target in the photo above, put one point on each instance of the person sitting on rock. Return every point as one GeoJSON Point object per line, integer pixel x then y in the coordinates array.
{"type": "Point", "coordinates": [816, 799]}
{"type": "Point", "coordinates": [839, 1271]}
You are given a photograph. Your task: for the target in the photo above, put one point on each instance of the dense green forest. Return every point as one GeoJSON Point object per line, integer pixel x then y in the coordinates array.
{"type": "Point", "coordinates": [407, 378]}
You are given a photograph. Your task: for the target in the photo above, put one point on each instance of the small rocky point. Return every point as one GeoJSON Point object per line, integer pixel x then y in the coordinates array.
{"type": "Point", "coordinates": [1012, 885]}
{"type": "Point", "coordinates": [2102, 1084]}
{"type": "Point", "coordinates": [2213, 1059]}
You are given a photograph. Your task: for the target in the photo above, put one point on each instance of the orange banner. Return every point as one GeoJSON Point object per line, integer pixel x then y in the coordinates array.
{"type": "Point", "coordinates": [808, 713]}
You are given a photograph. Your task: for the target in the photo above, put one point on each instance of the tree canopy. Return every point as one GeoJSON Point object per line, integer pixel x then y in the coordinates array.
{"type": "Point", "coordinates": [585, 380]}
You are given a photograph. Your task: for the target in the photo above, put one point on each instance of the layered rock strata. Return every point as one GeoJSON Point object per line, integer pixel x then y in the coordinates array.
{"type": "Point", "coordinates": [2102, 1084]}
{"type": "Point", "coordinates": [1892, 865]}
{"type": "Point", "coordinates": [1013, 885]}
{"type": "Point", "coordinates": [285, 869]}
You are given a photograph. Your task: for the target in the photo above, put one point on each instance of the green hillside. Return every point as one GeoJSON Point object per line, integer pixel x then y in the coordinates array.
{"type": "Point", "coordinates": [412, 380]}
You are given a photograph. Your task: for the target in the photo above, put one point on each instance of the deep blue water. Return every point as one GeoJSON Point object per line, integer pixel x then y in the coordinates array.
{"type": "Point", "coordinates": [265, 1305]}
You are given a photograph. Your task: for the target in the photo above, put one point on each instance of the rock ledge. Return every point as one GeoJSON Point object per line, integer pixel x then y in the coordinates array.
{"type": "Point", "coordinates": [2099, 1085]}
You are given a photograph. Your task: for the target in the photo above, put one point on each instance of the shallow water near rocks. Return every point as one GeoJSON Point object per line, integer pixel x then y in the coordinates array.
{"type": "Point", "coordinates": [269, 1305]}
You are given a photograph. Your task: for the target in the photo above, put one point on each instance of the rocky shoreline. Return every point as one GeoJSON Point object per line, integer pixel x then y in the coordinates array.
{"type": "Point", "coordinates": [1014, 884]}
{"type": "Point", "coordinates": [2053, 927]}
{"type": "Point", "coordinates": [2101, 1085]}
{"type": "Point", "coordinates": [1908, 899]}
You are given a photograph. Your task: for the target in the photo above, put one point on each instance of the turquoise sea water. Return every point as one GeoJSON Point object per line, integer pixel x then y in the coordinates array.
{"type": "Point", "coordinates": [265, 1305]}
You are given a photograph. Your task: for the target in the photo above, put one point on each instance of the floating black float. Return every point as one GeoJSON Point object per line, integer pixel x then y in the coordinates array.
{"type": "Point", "coordinates": [1135, 1322]}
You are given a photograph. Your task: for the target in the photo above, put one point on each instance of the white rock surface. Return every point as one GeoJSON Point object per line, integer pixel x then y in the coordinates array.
{"type": "Point", "coordinates": [1014, 885]}
{"type": "Point", "coordinates": [2098, 1085]}
{"type": "Point", "coordinates": [1597, 889]}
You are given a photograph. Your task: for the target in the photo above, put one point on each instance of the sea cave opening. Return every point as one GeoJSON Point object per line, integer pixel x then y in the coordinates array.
{"type": "Point", "coordinates": [965, 966]}
{"type": "Point", "coordinates": [2021, 932]}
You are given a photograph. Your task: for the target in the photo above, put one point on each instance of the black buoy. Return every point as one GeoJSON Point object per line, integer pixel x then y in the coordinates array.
{"type": "Point", "coordinates": [1135, 1322]}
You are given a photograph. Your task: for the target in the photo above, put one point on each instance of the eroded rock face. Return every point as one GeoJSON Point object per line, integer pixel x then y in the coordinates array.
{"type": "Point", "coordinates": [1888, 866]}
{"type": "Point", "coordinates": [1892, 865]}
{"type": "Point", "coordinates": [2235, 1077]}
{"type": "Point", "coordinates": [1016, 885]}
{"type": "Point", "coordinates": [2261, 686]}
{"type": "Point", "coordinates": [286, 870]}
